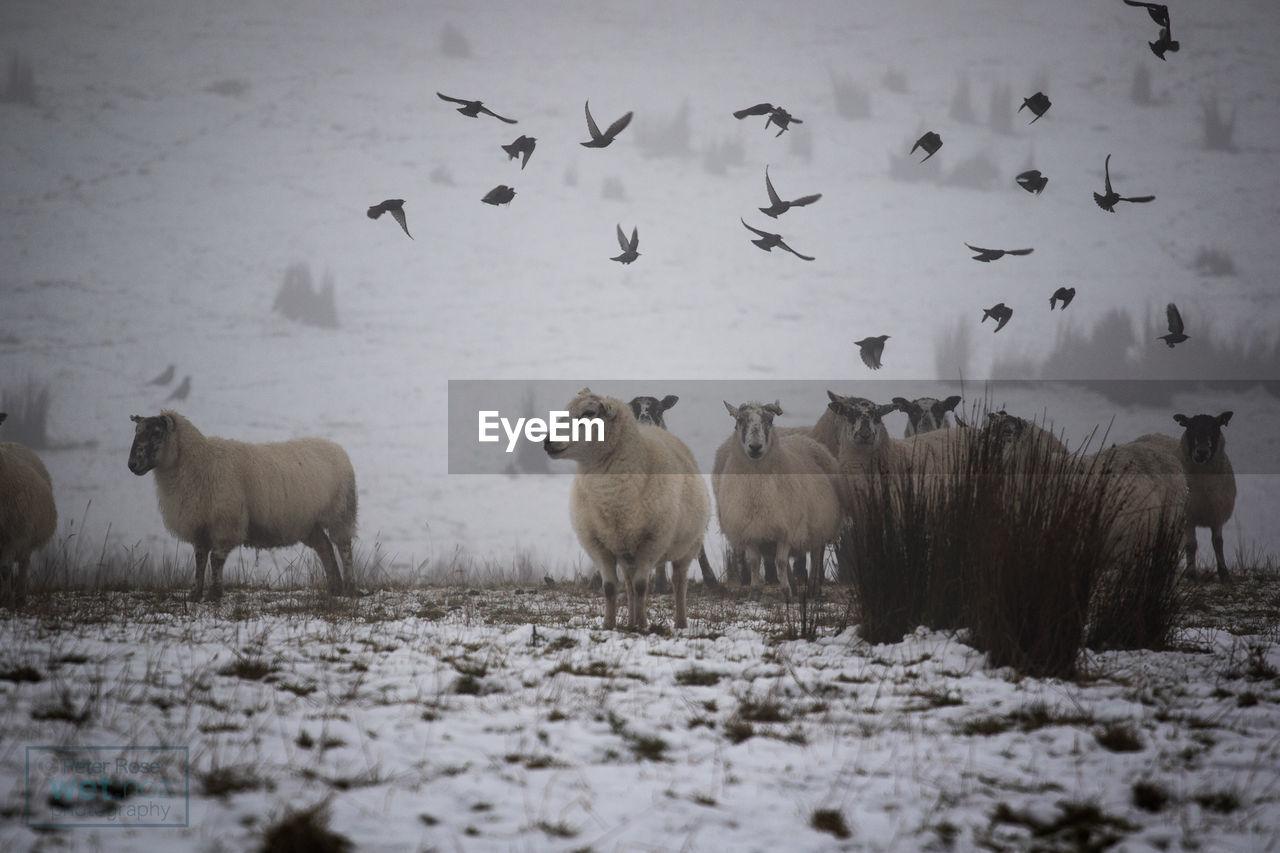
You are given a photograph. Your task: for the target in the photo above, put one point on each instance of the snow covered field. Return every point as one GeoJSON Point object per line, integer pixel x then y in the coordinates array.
{"type": "Point", "coordinates": [180, 159]}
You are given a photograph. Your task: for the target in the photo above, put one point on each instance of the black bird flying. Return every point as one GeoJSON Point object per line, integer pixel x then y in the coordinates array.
{"type": "Point", "coordinates": [777, 205]}
{"type": "Point", "coordinates": [602, 140]}
{"type": "Point", "coordinates": [1063, 294]}
{"type": "Point", "coordinates": [776, 115]}
{"type": "Point", "coordinates": [1176, 328]}
{"type": "Point", "coordinates": [930, 142]}
{"type": "Point", "coordinates": [988, 255]}
{"type": "Point", "coordinates": [474, 108]}
{"type": "Point", "coordinates": [1108, 200]}
{"type": "Point", "coordinates": [1032, 181]}
{"type": "Point", "coordinates": [998, 312]}
{"type": "Point", "coordinates": [767, 241]}
{"type": "Point", "coordinates": [522, 147]}
{"type": "Point", "coordinates": [871, 349]}
{"type": "Point", "coordinates": [1038, 103]}
{"type": "Point", "coordinates": [629, 252]}
{"type": "Point", "coordinates": [394, 206]}
{"type": "Point", "coordinates": [1158, 11]}
{"type": "Point", "coordinates": [501, 194]}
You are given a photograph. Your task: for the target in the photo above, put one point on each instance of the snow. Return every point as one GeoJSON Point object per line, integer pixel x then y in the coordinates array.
{"type": "Point", "coordinates": [179, 159]}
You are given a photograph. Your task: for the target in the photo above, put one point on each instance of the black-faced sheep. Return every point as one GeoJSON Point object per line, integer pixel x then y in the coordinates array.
{"type": "Point", "coordinates": [1017, 436]}
{"type": "Point", "coordinates": [1202, 452]}
{"type": "Point", "coordinates": [219, 494]}
{"type": "Point", "coordinates": [925, 414]}
{"type": "Point", "coordinates": [28, 515]}
{"type": "Point", "coordinates": [776, 495]}
{"type": "Point", "coordinates": [649, 410]}
{"type": "Point", "coordinates": [637, 501]}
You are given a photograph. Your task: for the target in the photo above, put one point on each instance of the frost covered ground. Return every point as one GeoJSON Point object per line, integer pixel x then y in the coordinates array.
{"type": "Point", "coordinates": [179, 160]}
{"type": "Point", "coordinates": [504, 719]}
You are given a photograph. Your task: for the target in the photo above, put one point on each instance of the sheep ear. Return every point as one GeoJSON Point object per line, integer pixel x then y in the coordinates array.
{"type": "Point", "coordinates": [992, 417]}
{"type": "Point", "coordinates": [611, 409]}
{"type": "Point", "coordinates": [835, 398]}
{"type": "Point", "coordinates": [733, 411]}
{"type": "Point", "coordinates": [669, 401]}
{"type": "Point", "coordinates": [137, 419]}
{"type": "Point", "coordinates": [170, 425]}
{"type": "Point", "coordinates": [950, 403]}
{"type": "Point", "coordinates": [1180, 419]}
{"type": "Point", "coordinates": [1224, 418]}
{"type": "Point", "coordinates": [902, 404]}
{"type": "Point", "coordinates": [834, 406]}
{"type": "Point", "coordinates": [885, 408]}
{"type": "Point", "coordinates": [775, 407]}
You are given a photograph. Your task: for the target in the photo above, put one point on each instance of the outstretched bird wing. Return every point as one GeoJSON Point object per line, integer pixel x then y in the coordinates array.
{"type": "Point", "coordinates": [1175, 319]}
{"type": "Point", "coordinates": [794, 252]}
{"type": "Point", "coordinates": [806, 199]}
{"type": "Point", "coordinates": [485, 109]}
{"type": "Point", "coordinates": [1018, 251]}
{"type": "Point", "coordinates": [757, 110]}
{"type": "Point", "coordinates": [774, 201]}
{"type": "Point", "coordinates": [1106, 174]}
{"type": "Point", "coordinates": [1004, 318]}
{"type": "Point", "coordinates": [591, 123]}
{"type": "Point", "coordinates": [445, 97]}
{"type": "Point", "coordinates": [1138, 199]}
{"type": "Point", "coordinates": [618, 126]}
{"type": "Point", "coordinates": [398, 214]}
{"type": "Point", "coordinates": [1158, 11]}
{"type": "Point", "coordinates": [756, 230]}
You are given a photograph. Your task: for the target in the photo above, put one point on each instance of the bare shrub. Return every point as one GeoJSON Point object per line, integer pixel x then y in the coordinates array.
{"type": "Point", "coordinates": [297, 299]}
{"type": "Point", "coordinates": [1138, 600]}
{"type": "Point", "coordinates": [1000, 114]}
{"type": "Point", "coordinates": [304, 831]}
{"type": "Point", "coordinates": [28, 410]}
{"type": "Point", "coordinates": [852, 101]}
{"type": "Point", "coordinates": [977, 172]}
{"type": "Point", "coordinates": [1217, 129]}
{"type": "Point", "coordinates": [895, 80]}
{"type": "Point", "coordinates": [453, 43]}
{"type": "Point", "coordinates": [953, 350]}
{"type": "Point", "coordinates": [20, 84]}
{"type": "Point", "coordinates": [671, 138]}
{"type": "Point", "coordinates": [962, 102]}
{"type": "Point", "coordinates": [1213, 262]}
{"type": "Point", "coordinates": [1140, 90]}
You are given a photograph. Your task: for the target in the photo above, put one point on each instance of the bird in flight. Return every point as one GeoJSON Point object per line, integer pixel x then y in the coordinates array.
{"type": "Point", "coordinates": [602, 140]}
{"type": "Point", "coordinates": [989, 255]}
{"type": "Point", "coordinates": [776, 115]}
{"type": "Point", "coordinates": [767, 241]}
{"type": "Point", "coordinates": [1063, 294]}
{"type": "Point", "coordinates": [629, 252]}
{"type": "Point", "coordinates": [1158, 11]}
{"type": "Point", "coordinates": [998, 312]}
{"type": "Point", "coordinates": [1107, 201]}
{"type": "Point", "coordinates": [1165, 43]}
{"type": "Point", "coordinates": [522, 147]}
{"type": "Point", "coordinates": [474, 108]}
{"type": "Point", "coordinates": [184, 388]}
{"type": "Point", "coordinates": [501, 194]}
{"type": "Point", "coordinates": [1032, 181]}
{"type": "Point", "coordinates": [1038, 103]}
{"type": "Point", "coordinates": [776, 205]}
{"type": "Point", "coordinates": [394, 206]}
{"type": "Point", "coordinates": [1176, 328]}
{"type": "Point", "coordinates": [930, 142]}
{"type": "Point", "coordinates": [871, 349]}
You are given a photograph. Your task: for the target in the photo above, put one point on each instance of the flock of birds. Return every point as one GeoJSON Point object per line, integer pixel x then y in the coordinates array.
{"type": "Point", "coordinates": [871, 349]}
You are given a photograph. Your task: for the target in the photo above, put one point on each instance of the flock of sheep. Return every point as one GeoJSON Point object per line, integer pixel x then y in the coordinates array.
{"type": "Point", "coordinates": [638, 500]}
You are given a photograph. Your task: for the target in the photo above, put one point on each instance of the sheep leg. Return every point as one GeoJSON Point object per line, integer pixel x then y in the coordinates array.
{"type": "Point", "coordinates": [606, 565]}
{"type": "Point", "coordinates": [320, 543]}
{"type": "Point", "coordinates": [750, 559]}
{"type": "Point", "coordinates": [202, 557]}
{"type": "Point", "coordinates": [817, 570]}
{"type": "Point", "coordinates": [1189, 545]}
{"type": "Point", "coordinates": [1215, 530]}
{"type": "Point", "coordinates": [782, 561]}
{"type": "Point", "coordinates": [708, 576]}
{"type": "Point", "coordinates": [679, 584]}
{"type": "Point", "coordinates": [343, 544]}
{"type": "Point", "coordinates": [216, 561]}
{"type": "Point", "coordinates": [661, 585]}
{"type": "Point", "coordinates": [637, 581]}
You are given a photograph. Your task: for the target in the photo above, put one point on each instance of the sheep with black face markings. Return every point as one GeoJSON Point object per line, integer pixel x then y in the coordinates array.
{"type": "Point", "coordinates": [637, 501]}
{"type": "Point", "coordinates": [219, 494]}
{"type": "Point", "coordinates": [926, 414]}
{"type": "Point", "coordinates": [28, 514]}
{"type": "Point", "coordinates": [776, 494]}
{"type": "Point", "coordinates": [1202, 452]}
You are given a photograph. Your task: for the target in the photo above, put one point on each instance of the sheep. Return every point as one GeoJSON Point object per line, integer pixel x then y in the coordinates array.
{"type": "Point", "coordinates": [1202, 453]}
{"type": "Point", "coordinates": [218, 494]}
{"type": "Point", "coordinates": [649, 410]}
{"type": "Point", "coordinates": [1145, 484]}
{"type": "Point", "coordinates": [1017, 436]}
{"type": "Point", "coordinates": [28, 514]}
{"type": "Point", "coordinates": [925, 414]}
{"type": "Point", "coordinates": [776, 494]}
{"type": "Point", "coordinates": [637, 500]}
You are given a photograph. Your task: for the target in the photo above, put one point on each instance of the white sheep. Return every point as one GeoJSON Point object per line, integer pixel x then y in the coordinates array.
{"type": "Point", "coordinates": [1202, 452]}
{"type": "Point", "coordinates": [219, 494]}
{"type": "Point", "coordinates": [1145, 485]}
{"type": "Point", "coordinates": [28, 514]}
{"type": "Point", "coordinates": [649, 410]}
{"type": "Point", "coordinates": [867, 449]}
{"type": "Point", "coordinates": [776, 495]}
{"type": "Point", "coordinates": [637, 501]}
{"type": "Point", "coordinates": [925, 414]}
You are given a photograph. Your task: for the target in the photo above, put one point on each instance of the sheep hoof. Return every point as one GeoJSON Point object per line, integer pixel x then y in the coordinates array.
{"type": "Point", "coordinates": [215, 594]}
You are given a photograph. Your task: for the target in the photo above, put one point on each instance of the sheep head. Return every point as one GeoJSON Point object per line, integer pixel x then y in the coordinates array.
{"type": "Point", "coordinates": [861, 422]}
{"type": "Point", "coordinates": [150, 441]}
{"type": "Point", "coordinates": [754, 426]}
{"type": "Point", "coordinates": [648, 410]}
{"type": "Point", "coordinates": [588, 406]}
{"type": "Point", "coordinates": [925, 414]}
{"type": "Point", "coordinates": [1202, 436]}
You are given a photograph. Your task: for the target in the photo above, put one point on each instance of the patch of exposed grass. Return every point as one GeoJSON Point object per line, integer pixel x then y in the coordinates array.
{"type": "Point", "coordinates": [1222, 802]}
{"type": "Point", "coordinates": [1119, 737]}
{"type": "Point", "coordinates": [248, 668]}
{"type": "Point", "coordinates": [223, 781]}
{"type": "Point", "coordinates": [1150, 797]}
{"type": "Point", "coordinates": [831, 821]}
{"type": "Point", "coordinates": [20, 674]}
{"type": "Point", "coordinates": [696, 676]}
{"type": "Point", "coordinates": [305, 830]}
